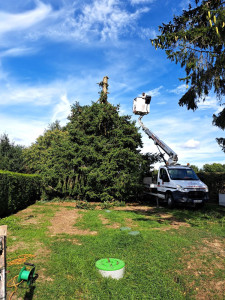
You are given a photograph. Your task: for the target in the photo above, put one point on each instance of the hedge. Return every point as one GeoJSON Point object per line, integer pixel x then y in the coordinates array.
{"type": "Point", "coordinates": [17, 191]}
{"type": "Point", "coordinates": [215, 183]}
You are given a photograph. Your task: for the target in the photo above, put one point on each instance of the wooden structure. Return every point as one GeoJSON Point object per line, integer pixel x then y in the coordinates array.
{"type": "Point", "coordinates": [3, 234]}
{"type": "Point", "coordinates": [104, 93]}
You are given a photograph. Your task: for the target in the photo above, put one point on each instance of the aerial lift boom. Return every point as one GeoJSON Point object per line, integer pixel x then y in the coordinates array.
{"type": "Point", "coordinates": [141, 106]}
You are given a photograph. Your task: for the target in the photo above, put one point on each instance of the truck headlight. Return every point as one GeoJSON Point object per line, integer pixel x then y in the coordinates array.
{"type": "Point", "coordinates": [206, 189]}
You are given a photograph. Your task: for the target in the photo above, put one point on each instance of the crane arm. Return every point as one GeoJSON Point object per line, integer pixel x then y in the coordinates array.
{"type": "Point", "coordinates": [173, 158]}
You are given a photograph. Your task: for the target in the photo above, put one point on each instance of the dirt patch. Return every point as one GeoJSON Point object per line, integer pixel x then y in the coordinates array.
{"type": "Point", "coordinates": [201, 267]}
{"type": "Point", "coordinates": [24, 212]}
{"type": "Point", "coordinates": [43, 277]}
{"type": "Point", "coordinates": [130, 223]}
{"type": "Point", "coordinates": [106, 222]}
{"type": "Point", "coordinates": [165, 216]}
{"type": "Point", "coordinates": [215, 246]}
{"type": "Point", "coordinates": [28, 216]}
{"type": "Point", "coordinates": [63, 204]}
{"type": "Point", "coordinates": [63, 222]}
{"type": "Point", "coordinates": [30, 220]}
{"type": "Point", "coordinates": [136, 208]}
{"type": "Point", "coordinates": [72, 240]}
{"type": "Point", "coordinates": [174, 225]}
{"type": "Point", "coordinates": [16, 246]}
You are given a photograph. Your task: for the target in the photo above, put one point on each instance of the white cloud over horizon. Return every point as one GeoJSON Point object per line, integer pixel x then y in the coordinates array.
{"type": "Point", "coordinates": [191, 144]}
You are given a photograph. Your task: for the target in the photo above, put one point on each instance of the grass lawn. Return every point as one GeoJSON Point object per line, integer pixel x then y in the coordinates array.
{"type": "Point", "coordinates": [179, 254]}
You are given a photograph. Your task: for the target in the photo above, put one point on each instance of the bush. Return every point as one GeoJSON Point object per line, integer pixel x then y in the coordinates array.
{"type": "Point", "coordinates": [17, 191]}
{"type": "Point", "coordinates": [84, 205]}
{"type": "Point", "coordinates": [215, 183]}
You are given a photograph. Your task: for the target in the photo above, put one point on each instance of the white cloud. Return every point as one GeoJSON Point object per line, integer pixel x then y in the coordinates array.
{"type": "Point", "coordinates": [102, 19]}
{"type": "Point", "coordinates": [22, 131]}
{"type": "Point", "coordinates": [98, 20]}
{"type": "Point", "coordinates": [15, 22]}
{"type": "Point", "coordinates": [184, 4]}
{"type": "Point", "coordinates": [133, 2]}
{"type": "Point", "coordinates": [210, 103]}
{"type": "Point", "coordinates": [26, 111]}
{"type": "Point", "coordinates": [155, 92]}
{"type": "Point", "coordinates": [181, 89]}
{"type": "Point", "coordinates": [62, 109]}
{"type": "Point", "coordinates": [17, 52]}
{"type": "Point", "coordinates": [147, 33]}
{"type": "Point", "coordinates": [191, 144]}
{"type": "Point", "coordinates": [13, 94]}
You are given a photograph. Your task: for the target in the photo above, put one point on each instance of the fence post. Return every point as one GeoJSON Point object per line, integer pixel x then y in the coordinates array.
{"type": "Point", "coordinates": [3, 234]}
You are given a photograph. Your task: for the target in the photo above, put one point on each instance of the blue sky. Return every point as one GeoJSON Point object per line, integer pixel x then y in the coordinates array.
{"type": "Point", "coordinates": [53, 52]}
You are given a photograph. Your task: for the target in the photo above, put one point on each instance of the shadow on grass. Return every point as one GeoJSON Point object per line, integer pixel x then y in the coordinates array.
{"type": "Point", "coordinates": [29, 294]}
{"type": "Point", "coordinates": [193, 216]}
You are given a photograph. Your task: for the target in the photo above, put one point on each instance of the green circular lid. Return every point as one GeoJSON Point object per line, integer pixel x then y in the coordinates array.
{"type": "Point", "coordinates": [109, 264]}
{"type": "Point", "coordinates": [134, 232]}
{"type": "Point", "coordinates": [125, 228]}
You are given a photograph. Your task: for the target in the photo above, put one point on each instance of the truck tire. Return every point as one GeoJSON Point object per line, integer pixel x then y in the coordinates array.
{"type": "Point", "coordinates": [170, 201]}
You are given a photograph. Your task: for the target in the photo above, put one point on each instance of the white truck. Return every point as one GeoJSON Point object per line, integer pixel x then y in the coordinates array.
{"type": "Point", "coordinates": [174, 183]}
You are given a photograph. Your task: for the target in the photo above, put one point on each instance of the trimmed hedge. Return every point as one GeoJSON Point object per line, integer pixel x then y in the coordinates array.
{"type": "Point", "coordinates": [215, 182]}
{"type": "Point", "coordinates": [17, 191]}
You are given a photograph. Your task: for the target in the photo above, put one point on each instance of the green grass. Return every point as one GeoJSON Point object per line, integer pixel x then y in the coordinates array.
{"type": "Point", "coordinates": [161, 262]}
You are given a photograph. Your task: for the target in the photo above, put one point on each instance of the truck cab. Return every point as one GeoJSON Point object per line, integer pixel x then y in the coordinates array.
{"type": "Point", "coordinates": [177, 184]}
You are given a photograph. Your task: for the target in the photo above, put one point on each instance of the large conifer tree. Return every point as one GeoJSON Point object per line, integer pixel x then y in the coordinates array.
{"type": "Point", "coordinates": [96, 156]}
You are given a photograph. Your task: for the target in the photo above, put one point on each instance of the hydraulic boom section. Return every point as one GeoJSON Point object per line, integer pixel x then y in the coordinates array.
{"type": "Point", "coordinates": [172, 155]}
{"type": "Point", "coordinates": [141, 106]}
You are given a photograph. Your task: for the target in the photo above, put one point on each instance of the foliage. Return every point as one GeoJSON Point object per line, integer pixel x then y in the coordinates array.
{"type": "Point", "coordinates": [195, 168]}
{"type": "Point", "coordinates": [196, 41]}
{"type": "Point", "coordinates": [94, 157]}
{"type": "Point", "coordinates": [215, 167]}
{"type": "Point", "coordinates": [215, 182]}
{"type": "Point", "coordinates": [11, 155]}
{"type": "Point", "coordinates": [84, 205]}
{"type": "Point", "coordinates": [17, 191]}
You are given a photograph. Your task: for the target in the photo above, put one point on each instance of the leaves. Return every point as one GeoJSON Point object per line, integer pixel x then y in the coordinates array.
{"type": "Point", "coordinates": [94, 157]}
{"type": "Point", "coordinates": [11, 155]}
{"type": "Point", "coordinates": [196, 41]}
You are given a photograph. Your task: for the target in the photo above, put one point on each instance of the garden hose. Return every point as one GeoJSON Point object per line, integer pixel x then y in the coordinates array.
{"type": "Point", "coordinates": [13, 282]}
{"type": "Point", "coordinates": [20, 260]}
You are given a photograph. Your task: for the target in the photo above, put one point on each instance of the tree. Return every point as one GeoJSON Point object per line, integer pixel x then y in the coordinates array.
{"type": "Point", "coordinates": [196, 41]}
{"type": "Point", "coordinates": [11, 155]}
{"type": "Point", "coordinates": [215, 167]}
{"type": "Point", "coordinates": [96, 156]}
{"type": "Point", "coordinates": [195, 168]}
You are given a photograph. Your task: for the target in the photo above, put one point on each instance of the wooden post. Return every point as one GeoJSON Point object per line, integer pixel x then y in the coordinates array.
{"type": "Point", "coordinates": [3, 234]}
{"type": "Point", "coordinates": [105, 85]}
{"type": "Point", "coordinates": [104, 93]}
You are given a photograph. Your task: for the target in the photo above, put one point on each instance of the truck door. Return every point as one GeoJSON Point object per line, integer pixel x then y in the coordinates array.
{"type": "Point", "coordinates": [163, 178]}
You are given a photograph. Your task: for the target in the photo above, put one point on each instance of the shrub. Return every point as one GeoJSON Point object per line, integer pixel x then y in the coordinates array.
{"type": "Point", "coordinates": [84, 205]}
{"type": "Point", "coordinates": [215, 183]}
{"type": "Point", "coordinates": [17, 191]}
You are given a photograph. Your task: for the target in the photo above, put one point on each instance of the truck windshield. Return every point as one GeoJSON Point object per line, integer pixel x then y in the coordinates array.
{"type": "Point", "coordinates": [182, 174]}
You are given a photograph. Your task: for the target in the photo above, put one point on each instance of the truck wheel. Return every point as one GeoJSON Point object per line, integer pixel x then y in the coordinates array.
{"type": "Point", "coordinates": [170, 201]}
